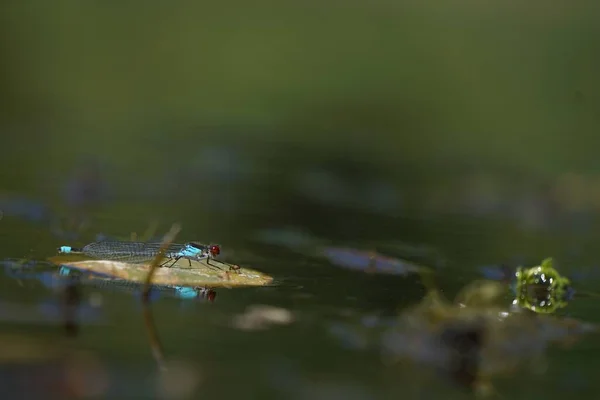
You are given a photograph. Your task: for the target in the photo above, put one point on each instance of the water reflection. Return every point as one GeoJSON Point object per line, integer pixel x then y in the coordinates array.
{"type": "Point", "coordinates": [57, 278]}
{"type": "Point", "coordinates": [50, 312]}
{"type": "Point", "coordinates": [71, 300]}
{"type": "Point", "coordinates": [83, 374]}
{"type": "Point", "coordinates": [470, 341]}
{"type": "Point", "coordinates": [106, 283]}
{"type": "Point", "coordinates": [63, 303]}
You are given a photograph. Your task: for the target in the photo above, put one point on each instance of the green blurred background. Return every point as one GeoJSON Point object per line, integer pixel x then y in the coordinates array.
{"type": "Point", "coordinates": [502, 83]}
{"type": "Point", "coordinates": [353, 119]}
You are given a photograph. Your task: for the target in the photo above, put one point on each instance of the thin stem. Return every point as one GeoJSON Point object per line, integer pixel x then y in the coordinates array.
{"type": "Point", "coordinates": [155, 344]}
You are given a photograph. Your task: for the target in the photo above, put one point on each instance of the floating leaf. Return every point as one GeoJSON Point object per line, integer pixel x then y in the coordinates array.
{"type": "Point", "coordinates": [370, 262]}
{"type": "Point", "coordinates": [216, 274]}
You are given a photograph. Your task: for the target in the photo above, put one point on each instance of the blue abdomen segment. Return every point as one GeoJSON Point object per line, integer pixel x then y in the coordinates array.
{"type": "Point", "coordinates": [65, 249]}
{"type": "Point", "coordinates": [189, 251]}
{"type": "Point", "coordinates": [64, 271]}
{"type": "Point", "coordinates": [186, 292]}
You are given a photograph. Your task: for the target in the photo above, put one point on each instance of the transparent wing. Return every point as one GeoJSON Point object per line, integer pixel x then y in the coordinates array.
{"type": "Point", "coordinates": [134, 252]}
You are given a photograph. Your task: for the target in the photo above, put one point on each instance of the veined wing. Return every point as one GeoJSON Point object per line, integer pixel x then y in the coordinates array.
{"type": "Point", "coordinates": [133, 252]}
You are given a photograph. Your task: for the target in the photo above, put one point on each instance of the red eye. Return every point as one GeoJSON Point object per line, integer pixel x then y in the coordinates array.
{"type": "Point", "coordinates": [215, 250]}
{"type": "Point", "coordinates": [211, 295]}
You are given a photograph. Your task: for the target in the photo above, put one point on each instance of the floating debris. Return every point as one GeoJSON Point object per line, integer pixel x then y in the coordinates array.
{"type": "Point", "coordinates": [542, 289]}
{"type": "Point", "coordinates": [370, 262]}
{"type": "Point", "coordinates": [259, 317]}
{"type": "Point", "coordinates": [421, 252]}
{"type": "Point", "coordinates": [358, 260]}
{"type": "Point", "coordinates": [472, 340]}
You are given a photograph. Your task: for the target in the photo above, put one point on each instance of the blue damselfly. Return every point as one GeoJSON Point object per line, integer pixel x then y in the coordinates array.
{"type": "Point", "coordinates": [140, 252]}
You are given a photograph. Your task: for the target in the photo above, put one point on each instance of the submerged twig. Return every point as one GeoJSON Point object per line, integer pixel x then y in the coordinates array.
{"type": "Point", "coordinates": [152, 335]}
{"type": "Point", "coordinates": [72, 300]}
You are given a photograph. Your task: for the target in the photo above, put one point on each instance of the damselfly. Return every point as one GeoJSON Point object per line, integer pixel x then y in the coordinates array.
{"type": "Point", "coordinates": [139, 252]}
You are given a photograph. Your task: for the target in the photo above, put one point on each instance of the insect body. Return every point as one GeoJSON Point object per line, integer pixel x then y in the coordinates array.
{"type": "Point", "coordinates": [139, 252]}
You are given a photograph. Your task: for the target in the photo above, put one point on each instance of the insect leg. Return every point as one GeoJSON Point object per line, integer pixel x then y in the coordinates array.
{"type": "Point", "coordinates": [163, 264]}
{"type": "Point", "coordinates": [208, 258]}
{"type": "Point", "coordinates": [175, 259]}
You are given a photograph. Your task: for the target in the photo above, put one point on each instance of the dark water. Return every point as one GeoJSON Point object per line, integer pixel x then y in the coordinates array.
{"type": "Point", "coordinates": [321, 348]}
